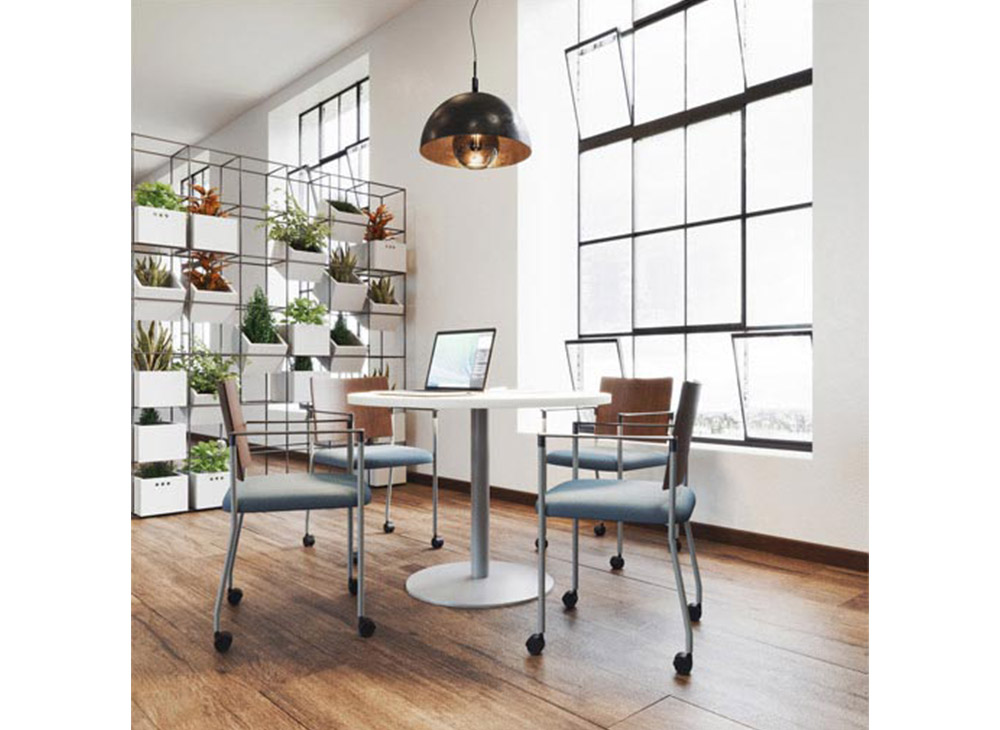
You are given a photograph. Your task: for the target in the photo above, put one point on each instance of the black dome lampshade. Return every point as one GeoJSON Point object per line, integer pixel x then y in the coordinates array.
{"type": "Point", "coordinates": [475, 130]}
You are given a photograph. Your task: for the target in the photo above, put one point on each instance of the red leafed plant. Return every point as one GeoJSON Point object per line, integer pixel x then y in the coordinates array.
{"type": "Point", "coordinates": [377, 221]}
{"type": "Point", "coordinates": [204, 271]}
{"type": "Point", "coordinates": [207, 202]}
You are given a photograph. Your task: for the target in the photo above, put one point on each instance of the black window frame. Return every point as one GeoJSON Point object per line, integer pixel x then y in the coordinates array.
{"type": "Point", "coordinates": [355, 90]}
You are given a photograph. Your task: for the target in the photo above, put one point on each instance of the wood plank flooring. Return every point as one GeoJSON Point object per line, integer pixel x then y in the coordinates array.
{"type": "Point", "coordinates": [782, 643]}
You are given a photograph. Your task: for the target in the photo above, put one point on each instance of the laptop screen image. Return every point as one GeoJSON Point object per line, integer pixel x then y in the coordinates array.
{"type": "Point", "coordinates": [460, 360]}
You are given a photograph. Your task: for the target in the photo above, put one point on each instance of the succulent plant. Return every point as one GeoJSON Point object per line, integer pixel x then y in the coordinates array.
{"type": "Point", "coordinates": [150, 271]}
{"type": "Point", "coordinates": [381, 290]}
{"type": "Point", "coordinates": [152, 348]}
{"type": "Point", "coordinates": [343, 266]}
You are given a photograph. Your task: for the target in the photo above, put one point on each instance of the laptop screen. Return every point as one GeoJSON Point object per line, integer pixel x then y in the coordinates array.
{"type": "Point", "coordinates": [460, 360]}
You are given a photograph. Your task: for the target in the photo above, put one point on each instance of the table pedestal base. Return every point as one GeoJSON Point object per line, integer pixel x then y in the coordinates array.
{"type": "Point", "coordinates": [452, 585]}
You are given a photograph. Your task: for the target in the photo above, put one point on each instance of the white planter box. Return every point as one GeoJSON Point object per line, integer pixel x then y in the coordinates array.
{"type": "Point", "coordinates": [300, 386]}
{"type": "Point", "coordinates": [205, 409]}
{"type": "Point", "coordinates": [263, 357]}
{"type": "Point", "coordinates": [384, 255]}
{"type": "Point", "coordinates": [159, 388]}
{"type": "Point", "coordinates": [347, 358]}
{"type": "Point", "coordinates": [301, 266]}
{"type": "Point", "coordinates": [342, 297]}
{"type": "Point", "coordinates": [162, 442]}
{"type": "Point", "coordinates": [217, 307]}
{"type": "Point", "coordinates": [384, 316]}
{"type": "Point", "coordinates": [157, 303]}
{"type": "Point", "coordinates": [207, 489]}
{"type": "Point", "coordinates": [308, 339]}
{"type": "Point", "coordinates": [160, 227]}
{"type": "Point", "coordinates": [212, 233]}
{"type": "Point", "coordinates": [348, 226]}
{"type": "Point", "coordinates": [159, 496]}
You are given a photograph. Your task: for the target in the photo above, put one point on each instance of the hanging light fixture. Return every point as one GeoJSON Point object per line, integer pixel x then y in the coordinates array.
{"type": "Point", "coordinates": [475, 130]}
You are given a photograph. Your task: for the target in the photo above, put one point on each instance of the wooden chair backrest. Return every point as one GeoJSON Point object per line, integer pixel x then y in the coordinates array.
{"type": "Point", "coordinates": [635, 395]}
{"type": "Point", "coordinates": [687, 412]}
{"type": "Point", "coordinates": [232, 416]}
{"type": "Point", "coordinates": [330, 394]}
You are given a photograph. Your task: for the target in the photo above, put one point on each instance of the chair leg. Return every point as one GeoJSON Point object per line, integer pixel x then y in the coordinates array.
{"type": "Point", "coordinates": [693, 608]}
{"type": "Point", "coordinates": [436, 540]}
{"type": "Point", "coordinates": [308, 540]}
{"type": "Point", "coordinates": [224, 639]}
{"type": "Point", "coordinates": [234, 595]}
{"type": "Point", "coordinates": [599, 528]}
{"type": "Point", "coordinates": [366, 627]}
{"type": "Point", "coordinates": [617, 561]}
{"type": "Point", "coordinates": [683, 661]}
{"type": "Point", "coordinates": [536, 642]}
{"type": "Point", "coordinates": [570, 597]}
{"type": "Point", "coordinates": [387, 526]}
{"type": "Point", "coordinates": [352, 583]}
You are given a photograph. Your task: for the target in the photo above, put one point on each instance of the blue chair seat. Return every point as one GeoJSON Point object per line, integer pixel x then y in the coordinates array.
{"type": "Point", "coordinates": [629, 500]}
{"type": "Point", "coordinates": [295, 491]}
{"type": "Point", "coordinates": [604, 459]}
{"type": "Point", "coordinates": [377, 456]}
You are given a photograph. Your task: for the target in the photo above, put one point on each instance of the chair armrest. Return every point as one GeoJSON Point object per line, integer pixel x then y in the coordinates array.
{"type": "Point", "coordinates": [636, 414]}
{"type": "Point", "coordinates": [553, 409]}
{"type": "Point", "coordinates": [575, 436]}
{"type": "Point", "coordinates": [611, 424]}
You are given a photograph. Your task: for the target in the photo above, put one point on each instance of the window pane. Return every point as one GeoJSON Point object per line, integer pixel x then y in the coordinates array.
{"type": "Point", "coordinates": [659, 69]}
{"type": "Point", "coordinates": [711, 362]}
{"type": "Point", "coordinates": [597, 16]}
{"type": "Point", "coordinates": [348, 118]}
{"type": "Point", "coordinates": [714, 274]}
{"type": "Point", "coordinates": [659, 180]}
{"type": "Point", "coordinates": [779, 150]}
{"type": "Point", "coordinates": [713, 168]}
{"type": "Point", "coordinates": [331, 128]}
{"type": "Point", "coordinates": [606, 191]}
{"type": "Point", "coordinates": [591, 361]}
{"type": "Point", "coordinates": [661, 356]}
{"type": "Point", "coordinates": [714, 67]}
{"type": "Point", "coordinates": [309, 138]}
{"type": "Point", "coordinates": [777, 35]}
{"type": "Point", "coordinates": [606, 287]}
{"type": "Point", "coordinates": [776, 381]}
{"type": "Point", "coordinates": [599, 86]}
{"type": "Point", "coordinates": [779, 268]}
{"type": "Point", "coordinates": [646, 7]}
{"type": "Point", "coordinates": [659, 280]}
{"type": "Point", "coordinates": [365, 111]}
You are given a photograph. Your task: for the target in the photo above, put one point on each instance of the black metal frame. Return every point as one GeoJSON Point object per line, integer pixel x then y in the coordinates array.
{"type": "Point", "coordinates": [737, 103]}
{"type": "Point", "coordinates": [344, 150]}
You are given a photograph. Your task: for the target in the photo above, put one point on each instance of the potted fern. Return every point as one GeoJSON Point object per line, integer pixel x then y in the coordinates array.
{"type": "Point", "coordinates": [154, 439]}
{"type": "Point", "coordinates": [341, 285]}
{"type": "Point", "coordinates": [156, 292]}
{"type": "Point", "coordinates": [208, 474]}
{"type": "Point", "coordinates": [158, 489]}
{"type": "Point", "coordinates": [156, 383]}
{"type": "Point", "coordinates": [305, 328]}
{"type": "Point", "coordinates": [349, 221]}
{"type": "Point", "coordinates": [264, 350]}
{"type": "Point", "coordinates": [205, 370]}
{"type": "Point", "coordinates": [385, 312]}
{"type": "Point", "coordinates": [159, 218]}
{"type": "Point", "coordinates": [297, 240]}
{"type": "Point", "coordinates": [380, 252]}
{"type": "Point", "coordinates": [209, 227]}
{"type": "Point", "coordinates": [211, 298]}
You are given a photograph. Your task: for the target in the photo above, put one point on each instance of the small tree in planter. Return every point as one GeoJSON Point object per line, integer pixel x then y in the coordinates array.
{"type": "Point", "coordinates": [155, 440]}
{"type": "Point", "coordinates": [305, 327]}
{"type": "Point", "coordinates": [210, 297]}
{"type": "Point", "coordinates": [263, 348]}
{"type": "Point", "coordinates": [382, 304]}
{"type": "Point", "coordinates": [298, 239]}
{"type": "Point", "coordinates": [208, 470]}
{"type": "Point", "coordinates": [206, 369]}
{"type": "Point", "coordinates": [156, 383]}
{"type": "Point", "coordinates": [159, 216]}
{"type": "Point", "coordinates": [381, 253]}
{"type": "Point", "coordinates": [210, 227]}
{"type": "Point", "coordinates": [158, 489]}
{"type": "Point", "coordinates": [346, 291]}
{"type": "Point", "coordinates": [158, 296]}
{"type": "Point", "coordinates": [348, 351]}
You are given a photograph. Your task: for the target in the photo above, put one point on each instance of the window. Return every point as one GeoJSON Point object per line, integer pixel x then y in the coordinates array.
{"type": "Point", "coordinates": [695, 202]}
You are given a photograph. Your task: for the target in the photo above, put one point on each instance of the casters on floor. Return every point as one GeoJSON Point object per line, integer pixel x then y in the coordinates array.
{"type": "Point", "coordinates": [308, 540]}
{"type": "Point", "coordinates": [388, 527]}
{"type": "Point", "coordinates": [694, 611]}
{"type": "Point", "coordinates": [600, 529]}
{"type": "Point", "coordinates": [234, 596]}
{"type": "Point", "coordinates": [366, 627]}
{"type": "Point", "coordinates": [437, 542]}
{"type": "Point", "coordinates": [546, 543]}
{"type": "Point", "coordinates": [352, 586]}
{"type": "Point", "coordinates": [223, 640]}
{"type": "Point", "coordinates": [535, 644]}
{"type": "Point", "coordinates": [569, 600]}
{"type": "Point", "coordinates": [683, 662]}
{"type": "Point", "coordinates": [617, 562]}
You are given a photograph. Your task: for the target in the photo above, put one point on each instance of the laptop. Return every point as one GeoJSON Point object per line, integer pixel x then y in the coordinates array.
{"type": "Point", "coordinates": [460, 362]}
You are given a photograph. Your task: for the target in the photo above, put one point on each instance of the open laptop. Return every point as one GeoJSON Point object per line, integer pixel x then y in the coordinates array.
{"type": "Point", "coordinates": [460, 362]}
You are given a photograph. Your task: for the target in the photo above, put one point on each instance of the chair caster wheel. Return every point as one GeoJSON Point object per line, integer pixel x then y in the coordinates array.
{"type": "Point", "coordinates": [600, 529]}
{"type": "Point", "coordinates": [388, 527]}
{"type": "Point", "coordinates": [617, 562]}
{"type": "Point", "coordinates": [535, 644]}
{"type": "Point", "coordinates": [683, 663]}
{"type": "Point", "coordinates": [546, 543]}
{"type": "Point", "coordinates": [366, 627]}
{"type": "Point", "coordinates": [569, 600]}
{"type": "Point", "coordinates": [308, 540]}
{"type": "Point", "coordinates": [352, 586]}
{"type": "Point", "coordinates": [694, 611]}
{"type": "Point", "coordinates": [436, 542]}
{"type": "Point", "coordinates": [223, 640]}
{"type": "Point", "coordinates": [234, 596]}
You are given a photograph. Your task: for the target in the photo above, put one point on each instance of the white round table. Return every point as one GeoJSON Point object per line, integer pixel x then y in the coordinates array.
{"type": "Point", "coordinates": [478, 582]}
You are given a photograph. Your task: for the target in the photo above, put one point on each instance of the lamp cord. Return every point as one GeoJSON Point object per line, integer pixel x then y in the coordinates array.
{"type": "Point", "coordinates": [475, 55]}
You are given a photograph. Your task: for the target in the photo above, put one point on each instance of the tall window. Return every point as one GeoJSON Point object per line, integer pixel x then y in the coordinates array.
{"type": "Point", "coordinates": [333, 135]}
{"type": "Point", "coordinates": [695, 202]}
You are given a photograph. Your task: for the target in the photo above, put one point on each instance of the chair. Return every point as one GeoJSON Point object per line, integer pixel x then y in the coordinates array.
{"type": "Point", "coordinates": [669, 504]}
{"type": "Point", "coordinates": [281, 493]}
{"type": "Point", "coordinates": [329, 398]}
{"type": "Point", "coordinates": [636, 405]}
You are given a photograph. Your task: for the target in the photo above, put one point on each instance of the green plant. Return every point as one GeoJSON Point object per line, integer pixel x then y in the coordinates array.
{"type": "Point", "coordinates": [344, 207]}
{"type": "Point", "coordinates": [149, 417]}
{"type": "Point", "coordinates": [208, 456]}
{"type": "Point", "coordinates": [293, 227]}
{"type": "Point", "coordinates": [304, 311]}
{"type": "Point", "coordinates": [158, 195]}
{"type": "Point", "coordinates": [302, 364]}
{"type": "Point", "coordinates": [207, 202]}
{"type": "Point", "coordinates": [381, 290]}
{"type": "Point", "coordinates": [204, 271]}
{"type": "Point", "coordinates": [343, 266]}
{"type": "Point", "coordinates": [153, 348]}
{"type": "Point", "coordinates": [258, 323]}
{"type": "Point", "coordinates": [150, 271]}
{"type": "Point", "coordinates": [377, 221]}
{"type": "Point", "coordinates": [342, 335]}
{"type": "Point", "coordinates": [155, 470]}
{"type": "Point", "coordinates": [206, 369]}
{"type": "Point", "coordinates": [382, 371]}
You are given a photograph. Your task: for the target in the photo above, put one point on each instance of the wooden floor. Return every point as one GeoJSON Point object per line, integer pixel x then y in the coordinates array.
{"type": "Point", "coordinates": [782, 643]}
